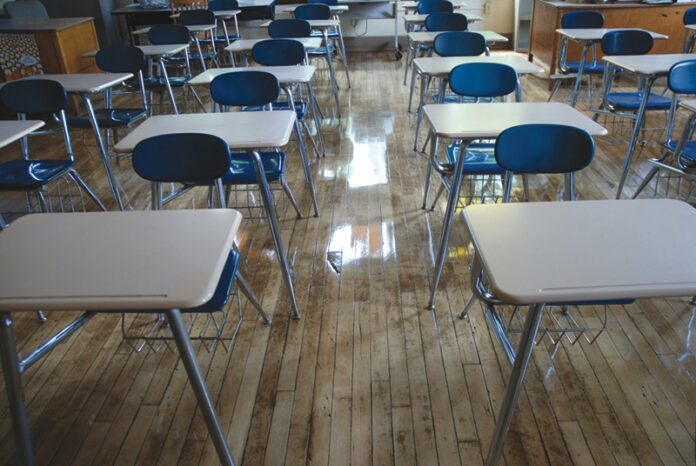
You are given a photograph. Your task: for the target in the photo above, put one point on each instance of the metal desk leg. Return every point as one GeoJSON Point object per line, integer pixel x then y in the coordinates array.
{"type": "Point", "coordinates": [395, 11]}
{"type": "Point", "coordinates": [413, 86]}
{"type": "Point", "coordinates": [303, 154]}
{"type": "Point", "coordinates": [197, 98]}
{"type": "Point", "coordinates": [329, 60]}
{"type": "Point", "coordinates": [515, 384]}
{"type": "Point", "coordinates": [13, 386]}
{"type": "Point", "coordinates": [452, 200]}
{"type": "Point", "coordinates": [332, 73]}
{"type": "Point", "coordinates": [205, 401]}
{"type": "Point", "coordinates": [102, 150]}
{"type": "Point", "coordinates": [168, 85]}
{"type": "Point", "coordinates": [344, 57]}
{"type": "Point", "coordinates": [269, 204]}
{"type": "Point", "coordinates": [213, 48]}
{"type": "Point", "coordinates": [578, 79]}
{"type": "Point", "coordinates": [419, 120]}
{"type": "Point", "coordinates": [200, 52]}
{"type": "Point", "coordinates": [434, 144]}
{"type": "Point", "coordinates": [224, 31]}
{"type": "Point", "coordinates": [688, 40]}
{"type": "Point", "coordinates": [407, 63]}
{"type": "Point", "coordinates": [638, 124]}
{"type": "Point", "coordinates": [425, 83]}
{"type": "Point", "coordinates": [316, 117]}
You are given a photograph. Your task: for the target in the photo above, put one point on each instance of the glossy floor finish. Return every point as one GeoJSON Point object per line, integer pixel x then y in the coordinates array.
{"type": "Point", "coordinates": [367, 376]}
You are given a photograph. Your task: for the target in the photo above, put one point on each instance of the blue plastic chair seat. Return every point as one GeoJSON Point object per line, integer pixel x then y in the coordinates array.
{"type": "Point", "coordinates": [453, 99]}
{"type": "Point", "coordinates": [331, 34]}
{"type": "Point", "coordinates": [242, 168]}
{"type": "Point", "coordinates": [320, 52]}
{"type": "Point", "coordinates": [231, 38]}
{"type": "Point", "coordinates": [631, 101]}
{"type": "Point", "coordinates": [193, 55]}
{"type": "Point", "coordinates": [480, 159]}
{"type": "Point", "coordinates": [110, 117]}
{"type": "Point", "coordinates": [592, 67]}
{"type": "Point", "coordinates": [300, 107]}
{"type": "Point", "coordinates": [24, 175]}
{"type": "Point", "coordinates": [689, 151]}
{"type": "Point", "coordinates": [221, 296]}
{"type": "Point", "coordinates": [157, 82]}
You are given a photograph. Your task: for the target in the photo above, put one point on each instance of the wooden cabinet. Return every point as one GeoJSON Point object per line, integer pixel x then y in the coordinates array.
{"type": "Point", "coordinates": [546, 18]}
{"type": "Point", "coordinates": [60, 42]}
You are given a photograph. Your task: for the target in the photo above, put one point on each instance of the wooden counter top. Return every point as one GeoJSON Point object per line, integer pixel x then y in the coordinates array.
{"type": "Point", "coordinates": [53, 24]}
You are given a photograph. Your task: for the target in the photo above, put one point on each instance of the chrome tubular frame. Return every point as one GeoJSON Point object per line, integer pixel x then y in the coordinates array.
{"type": "Point", "coordinates": [303, 152]}
{"type": "Point", "coordinates": [269, 204]}
{"type": "Point", "coordinates": [457, 177]}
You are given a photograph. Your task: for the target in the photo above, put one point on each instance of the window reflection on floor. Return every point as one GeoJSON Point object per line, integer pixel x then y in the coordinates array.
{"type": "Point", "coordinates": [375, 241]}
{"type": "Point", "coordinates": [368, 166]}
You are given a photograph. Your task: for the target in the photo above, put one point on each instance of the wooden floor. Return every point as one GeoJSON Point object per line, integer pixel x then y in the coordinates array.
{"type": "Point", "coordinates": [367, 376]}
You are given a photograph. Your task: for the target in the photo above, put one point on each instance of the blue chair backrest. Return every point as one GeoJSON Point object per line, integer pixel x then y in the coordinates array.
{"type": "Point", "coordinates": [582, 20]}
{"type": "Point", "coordinates": [26, 9]}
{"type": "Point", "coordinates": [627, 42]}
{"type": "Point", "coordinates": [544, 148]}
{"type": "Point", "coordinates": [446, 22]}
{"type": "Point", "coordinates": [682, 77]}
{"type": "Point", "coordinates": [278, 52]}
{"type": "Point", "coordinates": [245, 88]}
{"type": "Point", "coordinates": [216, 5]}
{"type": "Point", "coordinates": [121, 59]}
{"type": "Point", "coordinates": [196, 17]}
{"type": "Point", "coordinates": [435, 6]}
{"type": "Point", "coordinates": [182, 158]}
{"type": "Point", "coordinates": [289, 28]}
{"type": "Point", "coordinates": [483, 80]}
{"type": "Point", "coordinates": [690, 16]}
{"type": "Point", "coordinates": [313, 11]}
{"type": "Point", "coordinates": [34, 96]}
{"type": "Point", "coordinates": [167, 34]}
{"type": "Point", "coordinates": [459, 44]}
{"type": "Point", "coordinates": [325, 2]}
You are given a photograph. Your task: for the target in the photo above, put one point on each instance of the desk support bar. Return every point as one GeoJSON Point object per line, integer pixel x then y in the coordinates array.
{"type": "Point", "coordinates": [635, 135]}
{"type": "Point", "coordinates": [48, 345]}
{"type": "Point", "coordinates": [447, 224]}
{"type": "Point", "coordinates": [498, 328]}
{"type": "Point", "coordinates": [269, 204]}
{"type": "Point", "coordinates": [205, 402]}
{"type": "Point", "coordinates": [103, 150]}
{"type": "Point", "coordinates": [13, 387]}
{"type": "Point", "coordinates": [516, 382]}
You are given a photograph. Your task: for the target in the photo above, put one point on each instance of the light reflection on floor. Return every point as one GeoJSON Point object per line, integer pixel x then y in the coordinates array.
{"type": "Point", "coordinates": [368, 166]}
{"type": "Point", "coordinates": [355, 242]}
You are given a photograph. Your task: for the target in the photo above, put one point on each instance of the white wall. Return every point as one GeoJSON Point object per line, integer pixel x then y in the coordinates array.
{"type": "Point", "coordinates": [498, 16]}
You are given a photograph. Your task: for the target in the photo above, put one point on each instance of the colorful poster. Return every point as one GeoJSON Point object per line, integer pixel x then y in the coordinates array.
{"type": "Point", "coordinates": [19, 56]}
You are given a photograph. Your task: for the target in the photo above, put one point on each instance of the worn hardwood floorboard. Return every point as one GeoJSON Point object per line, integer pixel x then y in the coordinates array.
{"type": "Point", "coordinates": [367, 376]}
